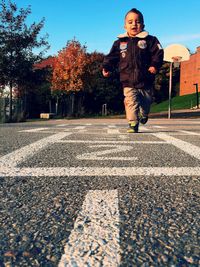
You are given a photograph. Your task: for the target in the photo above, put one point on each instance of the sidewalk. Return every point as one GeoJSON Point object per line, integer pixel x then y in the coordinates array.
{"type": "Point", "coordinates": [181, 113]}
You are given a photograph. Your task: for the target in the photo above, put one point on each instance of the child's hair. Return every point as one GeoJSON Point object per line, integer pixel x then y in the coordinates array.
{"type": "Point", "coordinates": [134, 10]}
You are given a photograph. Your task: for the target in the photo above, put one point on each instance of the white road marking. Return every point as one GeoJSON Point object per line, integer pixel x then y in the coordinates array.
{"type": "Point", "coordinates": [97, 155]}
{"type": "Point", "coordinates": [62, 125]}
{"type": "Point", "coordinates": [79, 127]}
{"type": "Point", "coordinates": [34, 130]}
{"type": "Point", "coordinates": [177, 133]}
{"type": "Point", "coordinates": [142, 128]}
{"type": "Point", "coordinates": [159, 127]}
{"type": "Point", "coordinates": [81, 131]}
{"type": "Point", "coordinates": [112, 126]}
{"type": "Point", "coordinates": [109, 142]}
{"type": "Point", "coordinates": [190, 149]}
{"type": "Point", "coordinates": [123, 136]}
{"type": "Point", "coordinates": [189, 133]}
{"type": "Point", "coordinates": [99, 171]}
{"type": "Point", "coordinates": [113, 131]}
{"type": "Point", "coordinates": [194, 121]}
{"type": "Point", "coordinates": [95, 238]}
{"type": "Point", "coordinates": [14, 158]}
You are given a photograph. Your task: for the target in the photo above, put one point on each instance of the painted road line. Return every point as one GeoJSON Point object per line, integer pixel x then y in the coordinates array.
{"type": "Point", "coordinates": [6, 171]}
{"type": "Point", "coordinates": [113, 131]}
{"type": "Point", "coordinates": [34, 130]}
{"type": "Point", "coordinates": [195, 122]}
{"type": "Point", "coordinates": [142, 128]}
{"type": "Point", "coordinates": [62, 125]}
{"type": "Point", "coordinates": [123, 136]}
{"type": "Point", "coordinates": [177, 133]}
{"type": "Point", "coordinates": [14, 158]}
{"type": "Point", "coordinates": [159, 127]}
{"type": "Point", "coordinates": [112, 126]}
{"type": "Point", "coordinates": [108, 142]}
{"type": "Point", "coordinates": [190, 149]}
{"type": "Point", "coordinates": [79, 127]}
{"type": "Point", "coordinates": [189, 133]}
{"type": "Point", "coordinates": [104, 154]}
{"type": "Point", "coordinates": [95, 239]}
{"type": "Point", "coordinates": [81, 131]}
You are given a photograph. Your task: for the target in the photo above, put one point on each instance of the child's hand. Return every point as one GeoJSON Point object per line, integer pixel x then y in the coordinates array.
{"type": "Point", "coordinates": [105, 73]}
{"type": "Point", "coordinates": [152, 70]}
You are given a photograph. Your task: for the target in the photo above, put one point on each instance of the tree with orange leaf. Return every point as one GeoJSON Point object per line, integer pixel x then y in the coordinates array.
{"type": "Point", "coordinates": [69, 68]}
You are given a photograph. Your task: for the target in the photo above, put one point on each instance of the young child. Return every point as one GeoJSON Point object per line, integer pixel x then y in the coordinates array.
{"type": "Point", "coordinates": [138, 56]}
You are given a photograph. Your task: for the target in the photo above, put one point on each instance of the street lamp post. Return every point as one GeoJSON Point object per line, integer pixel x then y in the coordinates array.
{"type": "Point", "coordinates": [197, 94]}
{"type": "Point", "coordinates": [170, 90]}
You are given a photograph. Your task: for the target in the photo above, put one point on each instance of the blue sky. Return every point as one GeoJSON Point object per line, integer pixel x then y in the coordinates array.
{"type": "Point", "coordinates": [96, 23]}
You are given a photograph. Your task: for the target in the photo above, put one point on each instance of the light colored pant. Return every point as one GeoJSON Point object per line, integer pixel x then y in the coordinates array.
{"type": "Point", "coordinates": [137, 103]}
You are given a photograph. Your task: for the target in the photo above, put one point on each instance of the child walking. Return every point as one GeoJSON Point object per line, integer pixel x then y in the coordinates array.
{"type": "Point", "coordinates": [138, 56]}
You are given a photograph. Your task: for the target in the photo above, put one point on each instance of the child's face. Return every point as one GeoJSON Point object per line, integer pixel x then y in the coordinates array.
{"type": "Point", "coordinates": [133, 25]}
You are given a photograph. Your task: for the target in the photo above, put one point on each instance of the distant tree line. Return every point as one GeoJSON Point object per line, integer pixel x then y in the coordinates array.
{"type": "Point", "coordinates": [71, 85]}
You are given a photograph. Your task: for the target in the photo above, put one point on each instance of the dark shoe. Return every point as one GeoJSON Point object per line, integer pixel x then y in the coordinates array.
{"type": "Point", "coordinates": [133, 127]}
{"type": "Point", "coordinates": [144, 120]}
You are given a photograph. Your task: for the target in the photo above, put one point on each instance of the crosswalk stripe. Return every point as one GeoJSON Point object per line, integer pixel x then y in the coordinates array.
{"type": "Point", "coordinates": [95, 238]}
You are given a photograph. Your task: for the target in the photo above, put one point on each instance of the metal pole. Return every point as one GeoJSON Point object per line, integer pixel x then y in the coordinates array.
{"type": "Point", "coordinates": [56, 105]}
{"type": "Point", "coordinates": [170, 89]}
{"type": "Point", "coordinates": [105, 109]}
{"type": "Point", "coordinates": [197, 94]}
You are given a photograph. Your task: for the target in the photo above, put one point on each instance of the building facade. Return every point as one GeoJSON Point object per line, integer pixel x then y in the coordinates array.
{"type": "Point", "coordinates": [190, 74]}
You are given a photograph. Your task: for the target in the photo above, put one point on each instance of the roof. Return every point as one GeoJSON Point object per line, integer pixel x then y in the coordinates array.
{"type": "Point", "coordinates": [48, 62]}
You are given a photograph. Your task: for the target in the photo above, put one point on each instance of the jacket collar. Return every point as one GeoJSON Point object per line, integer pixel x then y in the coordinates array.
{"type": "Point", "coordinates": [142, 34]}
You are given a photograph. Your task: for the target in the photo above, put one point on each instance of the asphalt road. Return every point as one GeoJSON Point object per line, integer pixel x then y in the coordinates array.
{"type": "Point", "coordinates": [86, 193]}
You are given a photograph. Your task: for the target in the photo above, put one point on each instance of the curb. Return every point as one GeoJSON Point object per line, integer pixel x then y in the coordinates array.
{"type": "Point", "coordinates": [187, 113]}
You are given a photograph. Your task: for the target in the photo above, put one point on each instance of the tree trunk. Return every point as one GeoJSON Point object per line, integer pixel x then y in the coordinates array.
{"type": "Point", "coordinates": [10, 102]}
{"type": "Point", "coordinates": [72, 102]}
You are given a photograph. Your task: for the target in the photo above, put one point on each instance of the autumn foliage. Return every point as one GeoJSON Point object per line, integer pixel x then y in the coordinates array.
{"type": "Point", "coordinates": [69, 67]}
